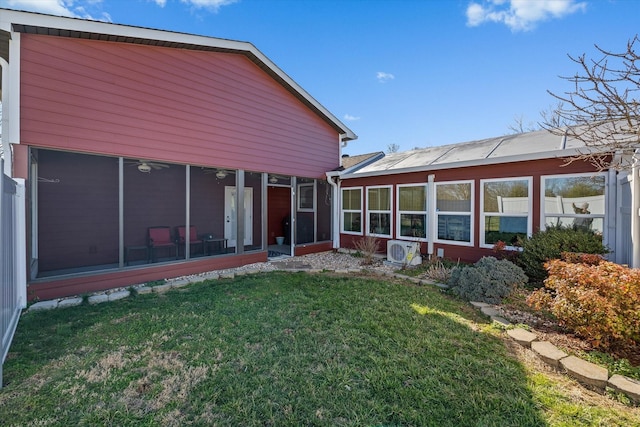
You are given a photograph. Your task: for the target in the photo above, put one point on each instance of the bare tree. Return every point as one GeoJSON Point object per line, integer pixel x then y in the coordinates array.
{"type": "Point", "coordinates": [519, 126]}
{"type": "Point", "coordinates": [603, 110]}
{"type": "Point", "coordinates": [393, 148]}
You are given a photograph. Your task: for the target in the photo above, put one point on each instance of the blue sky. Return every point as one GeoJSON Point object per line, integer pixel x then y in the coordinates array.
{"type": "Point", "coordinates": [415, 73]}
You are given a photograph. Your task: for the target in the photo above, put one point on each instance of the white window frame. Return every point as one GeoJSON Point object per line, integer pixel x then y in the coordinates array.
{"type": "Point", "coordinates": [380, 211]}
{"type": "Point", "coordinates": [543, 214]}
{"type": "Point", "coordinates": [425, 212]}
{"type": "Point", "coordinates": [528, 215]}
{"type": "Point", "coordinates": [437, 213]}
{"type": "Point", "coordinates": [343, 211]}
{"type": "Point", "coordinates": [300, 206]}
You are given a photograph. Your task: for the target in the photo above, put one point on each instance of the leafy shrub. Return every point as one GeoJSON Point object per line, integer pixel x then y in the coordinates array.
{"type": "Point", "coordinates": [488, 280]}
{"type": "Point", "coordinates": [501, 252]}
{"type": "Point", "coordinates": [600, 302]}
{"type": "Point", "coordinates": [550, 243]}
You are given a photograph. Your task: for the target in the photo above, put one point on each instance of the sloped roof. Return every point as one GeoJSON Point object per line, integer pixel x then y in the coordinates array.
{"type": "Point", "coordinates": [510, 148]}
{"type": "Point", "coordinates": [351, 161]}
{"type": "Point", "coordinates": [38, 23]}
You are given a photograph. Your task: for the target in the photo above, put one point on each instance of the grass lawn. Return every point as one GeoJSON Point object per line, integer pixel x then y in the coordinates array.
{"type": "Point", "coordinates": [284, 349]}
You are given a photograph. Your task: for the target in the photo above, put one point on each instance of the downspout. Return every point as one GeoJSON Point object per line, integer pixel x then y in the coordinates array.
{"type": "Point", "coordinates": [635, 210]}
{"type": "Point", "coordinates": [335, 208]}
{"type": "Point", "coordinates": [430, 229]}
{"type": "Point", "coordinates": [611, 210]}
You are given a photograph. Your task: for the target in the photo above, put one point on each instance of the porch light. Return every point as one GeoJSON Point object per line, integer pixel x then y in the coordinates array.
{"type": "Point", "coordinates": [273, 179]}
{"type": "Point", "coordinates": [221, 174]}
{"type": "Point", "coordinates": [144, 168]}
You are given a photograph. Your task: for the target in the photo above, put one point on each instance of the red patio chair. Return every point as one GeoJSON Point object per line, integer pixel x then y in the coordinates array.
{"type": "Point", "coordinates": [193, 237]}
{"type": "Point", "coordinates": [160, 238]}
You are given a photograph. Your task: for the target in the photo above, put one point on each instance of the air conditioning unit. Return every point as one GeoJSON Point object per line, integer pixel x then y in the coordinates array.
{"type": "Point", "coordinates": [402, 252]}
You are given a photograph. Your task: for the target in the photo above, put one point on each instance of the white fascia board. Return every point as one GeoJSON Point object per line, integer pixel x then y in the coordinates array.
{"type": "Point", "coordinates": [10, 17]}
{"type": "Point", "coordinates": [471, 163]}
{"type": "Point", "coordinates": [11, 95]}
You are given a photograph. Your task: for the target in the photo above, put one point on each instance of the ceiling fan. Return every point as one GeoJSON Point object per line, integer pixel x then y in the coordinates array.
{"type": "Point", "coordinates": [220, 173]}
{"type": "Point", "coordinates": [145, 166]}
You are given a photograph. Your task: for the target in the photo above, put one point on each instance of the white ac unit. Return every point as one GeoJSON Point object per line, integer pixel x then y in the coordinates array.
{"type": "Point", "coordinates": [402, 252]}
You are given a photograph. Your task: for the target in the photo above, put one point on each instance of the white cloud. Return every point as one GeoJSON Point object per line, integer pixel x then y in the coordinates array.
{"type": "Point", "coordinates": [52, 7]}
{"type": "Point", "coordinates": [70, 8]}
{"type": "Point", "coordinates": [160, 3]}
{"type": "Point", "coordinates": [384, 77]}
{"type": "Point", "coordinates": [351, 118]}
{"type": "Point", "coordinates": [520, 15]}
{"type": "Point", "coordinates": [213, 5]}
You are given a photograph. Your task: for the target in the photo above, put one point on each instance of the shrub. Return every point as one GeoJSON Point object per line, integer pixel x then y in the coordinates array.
{"type": "Point", "coordinates": [367, 247]}
{"type": "Point", "coordinates": [438, 270]}
{"type": "Point", "coordinates": [488, 280]}
{"type": "Point", "coordinates": [600, 302]}
{"type": "Point", "coordinates": [550, 243]}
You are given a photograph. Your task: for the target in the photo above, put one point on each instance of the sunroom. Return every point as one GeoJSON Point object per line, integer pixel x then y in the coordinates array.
{"type": "Point", "coordinates": [458, 201]}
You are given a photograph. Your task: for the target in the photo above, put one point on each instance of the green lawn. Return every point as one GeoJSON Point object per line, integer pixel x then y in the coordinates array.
{"type": "Point", "coordinates": [282, 349]}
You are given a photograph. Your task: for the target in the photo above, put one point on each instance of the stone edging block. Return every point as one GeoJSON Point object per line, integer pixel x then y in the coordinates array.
{"type": "Point", "coordinates": [97, 299]}
{"type": "Point", "coordinates": [586, 372]}
{"type": "Point", "coordinates": [119, 295]}
{"type": "Point", "coordinates": [549, 353]}
{"type": "Point", "coordinates": [628, 386]}
{"type": "Point", "coordinates": [522, 337]}
{"type": "Point", "coordinates": [70, 302]}
{"type": "Point", "coordinates": [44, 305]}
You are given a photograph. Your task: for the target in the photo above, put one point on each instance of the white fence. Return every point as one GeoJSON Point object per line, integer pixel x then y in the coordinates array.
{"type": "Point", "coordinates": [13, 295]}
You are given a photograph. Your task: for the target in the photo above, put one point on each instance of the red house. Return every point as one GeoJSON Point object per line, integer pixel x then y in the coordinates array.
{"type": "Point", "coordinates": [457, 201]}
{"type": "Point", "coordinates": [149, 154]}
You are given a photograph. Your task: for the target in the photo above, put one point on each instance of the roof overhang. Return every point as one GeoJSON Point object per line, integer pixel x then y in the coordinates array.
{"type": "Point", "coordinates": [37, 23]}
{"type": "Point", "coordinates": [465, 164]}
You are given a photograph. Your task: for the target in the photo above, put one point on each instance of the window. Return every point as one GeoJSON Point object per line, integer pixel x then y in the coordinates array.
{"type": "Point", "coordinates": [305, 197]}
{"type": "Point", "coordinates": [454, 203]}
{"type": "Point", "coordinates": [505, 212]}
{"type": "Point", "coordinates": [379, 211]}
{"type": "Point", "coordinates": [574, 201]}
{"type": "Point", "coordinates": [412, 212]}
{"type": "Point", "coordinates": [352, 210]}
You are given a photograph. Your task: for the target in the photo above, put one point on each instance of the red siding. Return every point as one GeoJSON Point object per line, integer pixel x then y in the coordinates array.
{"type": "Point", "coordinates": [312, 248]}
{"type": "Point", "coordinates": [196, 107]}
{"type": "Point", "coordinates": [506, 170]}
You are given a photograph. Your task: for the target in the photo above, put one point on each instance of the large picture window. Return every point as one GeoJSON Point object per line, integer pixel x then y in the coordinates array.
{"type": "Point", "coordinates": [352, 210]}
{"type": "Point", "coordinates": [574, 201]}
{"type": "Point", "coordinates": [379, 211]}
{"type": "Point", "coordinates": [505, 210]}
{"type": "Point", "coordinates": [412, 212]}
{"type": "Point", "coordinates": [454, 207]}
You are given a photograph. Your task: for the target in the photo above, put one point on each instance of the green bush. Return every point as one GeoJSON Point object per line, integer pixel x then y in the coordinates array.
{"type": "Point", "coordinates": [550, 243]}
{"type": "Point", "coordinates": [488, 280]}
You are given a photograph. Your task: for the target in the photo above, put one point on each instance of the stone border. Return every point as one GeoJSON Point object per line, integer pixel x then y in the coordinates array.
{"type": "Point", "coordinates": [589, 374]}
